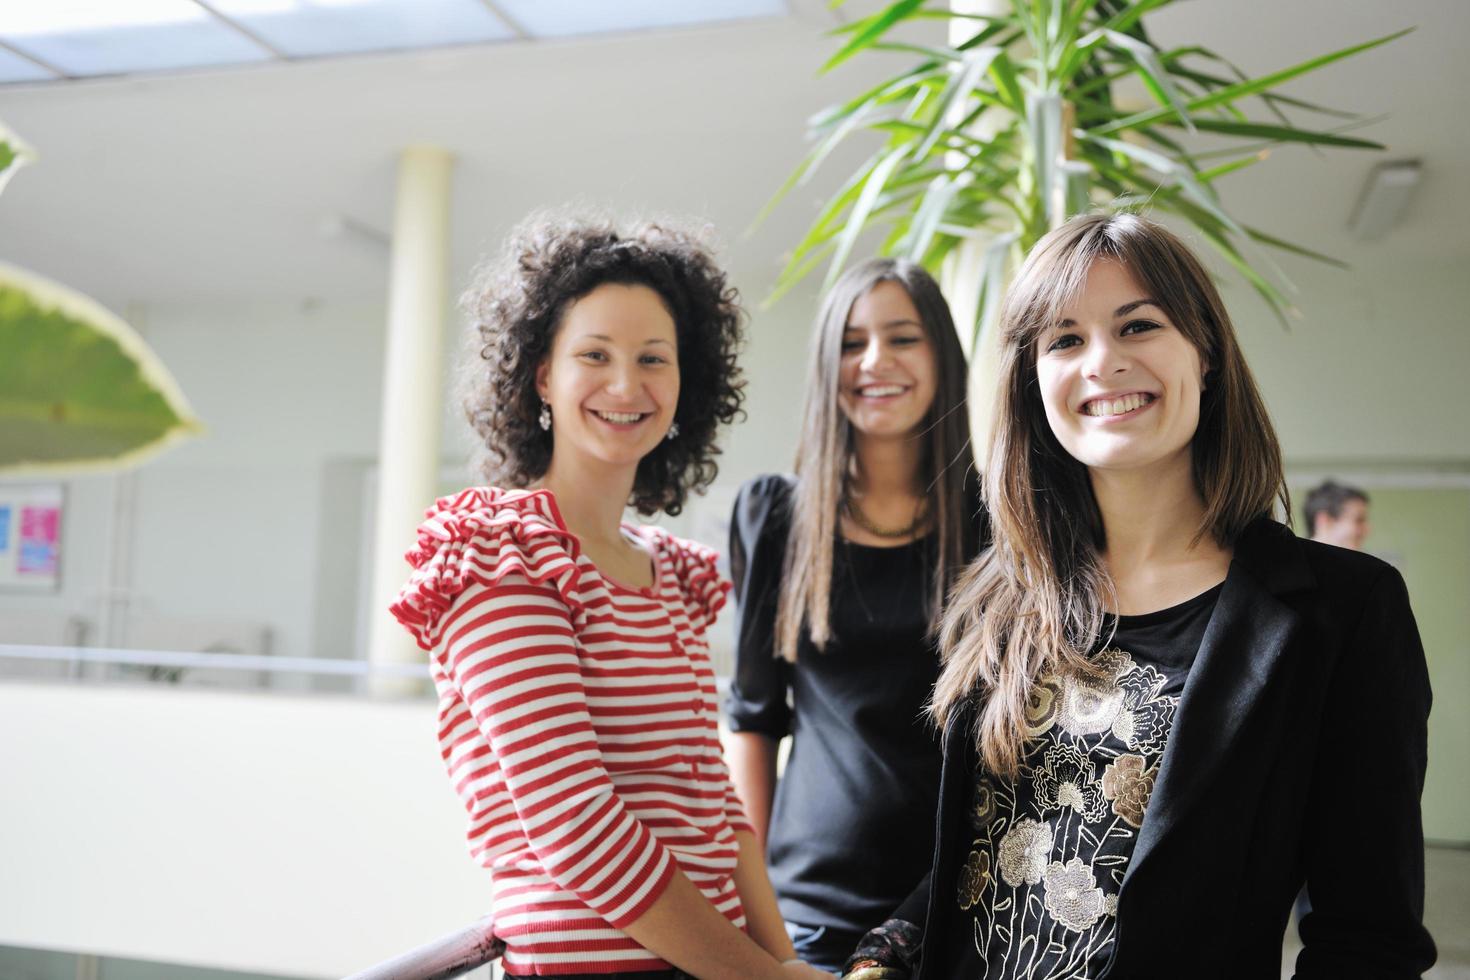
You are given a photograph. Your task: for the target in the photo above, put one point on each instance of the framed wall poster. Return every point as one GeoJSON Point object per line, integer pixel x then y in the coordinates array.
{"type": "Point", "coordinates": [30, 537]}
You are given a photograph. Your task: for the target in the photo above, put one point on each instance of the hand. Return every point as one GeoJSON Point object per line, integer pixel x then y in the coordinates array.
{"type": "Point", "coordinates": [797, 970]}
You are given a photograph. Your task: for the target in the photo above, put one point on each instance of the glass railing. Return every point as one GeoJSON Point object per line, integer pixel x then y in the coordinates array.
{"type": "Point", "coordinates": [204, 668]}
{"type": "Point", "coordinates": [19, 963]}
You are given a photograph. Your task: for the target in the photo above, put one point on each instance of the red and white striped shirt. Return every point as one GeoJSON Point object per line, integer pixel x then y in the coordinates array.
{"type": "Point", "coordinates": [577, 718]}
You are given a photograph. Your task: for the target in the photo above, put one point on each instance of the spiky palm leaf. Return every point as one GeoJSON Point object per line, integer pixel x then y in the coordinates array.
{"type": "Point", "coordinates": [1039, 81]}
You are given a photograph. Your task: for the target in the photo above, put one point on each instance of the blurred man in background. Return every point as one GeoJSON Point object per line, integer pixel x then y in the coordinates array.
{"type": "Point", "coordinates": [1337, 514]}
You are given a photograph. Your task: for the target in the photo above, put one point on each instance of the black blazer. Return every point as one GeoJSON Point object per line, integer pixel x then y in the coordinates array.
{"type": "Point", "coordinates": [1297, 754]}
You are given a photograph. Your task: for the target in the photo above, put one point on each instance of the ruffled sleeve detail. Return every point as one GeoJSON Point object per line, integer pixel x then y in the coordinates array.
{"type": "Point", "coordinates": [696, 569]}
{"type": "Point", "coordinates": [479, 536]}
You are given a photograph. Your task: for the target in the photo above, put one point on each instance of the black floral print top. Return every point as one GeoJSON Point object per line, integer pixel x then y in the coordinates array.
{"type": "Point", "coordinates": [1047, 855]}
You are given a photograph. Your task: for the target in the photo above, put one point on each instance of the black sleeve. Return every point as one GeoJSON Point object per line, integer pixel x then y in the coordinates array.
{"type": "Point", "coordinates": [758, 527]}
{"type": "Point", "coordinates": [889, 952]}
{"type": "Point", "coordinates": [1365, 845]}
{"type": "Point", "coordinates": [915, 908]}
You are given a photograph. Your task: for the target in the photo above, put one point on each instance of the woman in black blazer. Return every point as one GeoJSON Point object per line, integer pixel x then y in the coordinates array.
{"type": "Point", "coordinates": [1162, 712]}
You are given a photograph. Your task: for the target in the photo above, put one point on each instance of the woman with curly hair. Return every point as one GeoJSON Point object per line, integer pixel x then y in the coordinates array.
{"type": "Point", "coordinates": [840, 574]}
{"type": "Point", "coordinates": [577, 703]}
{"type": "Point", "coordinates": [1162, 711]}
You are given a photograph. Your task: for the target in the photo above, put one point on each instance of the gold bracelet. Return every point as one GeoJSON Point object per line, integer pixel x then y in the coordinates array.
{"type": "Point", "coordinates": [876, 973]}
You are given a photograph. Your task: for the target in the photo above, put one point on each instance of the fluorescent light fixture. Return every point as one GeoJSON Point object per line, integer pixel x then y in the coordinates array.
{"type": "Point", "coordinates": [84, 37]}
{"type": "Point", "coordinates": [1385, 198]}
{"type": "Point", "coordinates": [301, 28]}
{"type": "Point", "coordinates": [337, 226]}
{"type": "Point", "coordinates": [562, 18]}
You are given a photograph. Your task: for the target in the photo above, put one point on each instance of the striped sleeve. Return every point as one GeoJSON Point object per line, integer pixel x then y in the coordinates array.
{"type": "Point", "coordinates": [703, 588]}
{"type": "Point", "coordinates": [735, 810]}
{"type": "Point", "coordinates": [508, 649]}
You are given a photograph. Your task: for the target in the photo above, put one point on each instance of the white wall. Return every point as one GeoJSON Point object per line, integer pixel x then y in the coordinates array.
{"type": "Point", "coordinates": [226, 525]}
{"type": "Point", "coordinates": [1374, 370]}
{"type": "Point", "coordinates": [279, 834]}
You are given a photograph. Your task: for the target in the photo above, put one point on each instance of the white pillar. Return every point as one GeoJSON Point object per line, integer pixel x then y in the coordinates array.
{"type": "Point", "coordinates": [964, 271]}
{"type": "Point", "coordinates": [413, 370]}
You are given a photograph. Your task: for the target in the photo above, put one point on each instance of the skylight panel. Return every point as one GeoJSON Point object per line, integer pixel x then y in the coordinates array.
{"type": "Point", "coordinates": [81, 38]}
{"type": "Point", "coordinates": [301, 28]}
{"type": "Point", "coordinates": [562, 18]}
{"type": "Point", "coordinates": [14, 68]}
{"type": "Point", "coordinates": [85, 37]}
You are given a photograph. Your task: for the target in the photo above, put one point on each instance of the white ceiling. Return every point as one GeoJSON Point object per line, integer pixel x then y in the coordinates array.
{"type": "Point", "coordinates": [1415, 84]}
{"type": "Point", "coordinates": [212, 186]}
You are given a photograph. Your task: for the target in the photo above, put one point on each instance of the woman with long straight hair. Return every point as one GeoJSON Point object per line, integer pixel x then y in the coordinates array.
{"type": "Point", "coordinates": [839, 574]}
{"type": "Point", "coordinates": [1162, 711]}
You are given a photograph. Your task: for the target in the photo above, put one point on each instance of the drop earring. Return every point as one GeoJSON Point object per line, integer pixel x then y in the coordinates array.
{"type": "Point", "coordinates": [673, 432]}
{"type": "Point", "coordinates": [545, 418]}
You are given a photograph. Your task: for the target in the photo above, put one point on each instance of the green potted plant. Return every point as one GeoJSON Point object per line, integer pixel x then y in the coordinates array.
{"type": "Point", "coordinates": [79, 389]}
{"type": "Point", "coordinates": [988, 142]}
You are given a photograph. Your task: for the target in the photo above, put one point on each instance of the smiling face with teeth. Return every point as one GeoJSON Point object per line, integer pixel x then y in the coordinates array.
{"type": "Point", "coordinates": [887, 378]}
{"type": "Point", "coordinates": [1120, 383]}
{"type": "Point", "coordinates": [611, 378]}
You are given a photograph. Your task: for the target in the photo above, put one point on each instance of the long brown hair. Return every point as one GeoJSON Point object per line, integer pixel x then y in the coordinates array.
{"type": "Point", "coordinates": [824, 460]}
{"type": "Point", "coordinates": [1033, 603]}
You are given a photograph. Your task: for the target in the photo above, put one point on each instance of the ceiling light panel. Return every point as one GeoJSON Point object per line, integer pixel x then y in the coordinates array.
{"type": "Point", "coordinates": [563, 18]}
{"type": "Point", "coordinates": [1385, 198]}
{"type": "Point", "coordinates": [302, 28]}
{"type": "Point", "coordinates": [84, 37]}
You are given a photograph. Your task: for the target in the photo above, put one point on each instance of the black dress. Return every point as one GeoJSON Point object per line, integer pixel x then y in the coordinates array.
{"type": "Point", "coordinates": [852, 827]}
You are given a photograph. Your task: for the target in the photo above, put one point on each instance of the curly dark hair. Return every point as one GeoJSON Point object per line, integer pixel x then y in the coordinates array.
{"type": "Point", "coordinates": [516, 305]}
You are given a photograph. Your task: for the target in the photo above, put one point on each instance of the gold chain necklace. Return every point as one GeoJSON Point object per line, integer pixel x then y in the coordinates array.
{"type": "Point", "coordinates": [861, 520]}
